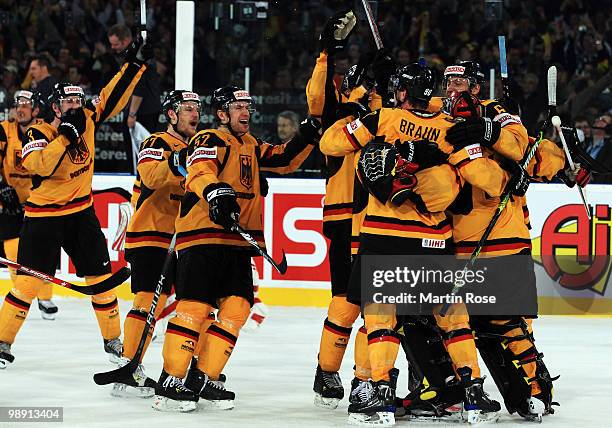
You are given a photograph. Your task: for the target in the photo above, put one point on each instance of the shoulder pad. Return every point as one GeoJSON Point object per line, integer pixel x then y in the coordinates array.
{"type": "Point", "coordinates": [36, 132]}
{"type": "Point", "coordinates": [207, 138]}
{"type": "Point", "coordinates": [155, 141]}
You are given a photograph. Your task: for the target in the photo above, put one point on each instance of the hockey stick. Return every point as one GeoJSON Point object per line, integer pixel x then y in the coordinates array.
{"type": "Point", "coordinates": [280, 267]}
{"type": "Point", "coordinates": [505, 197]}
{"type": "Point", "coordinates": [127, 371]}
{"type": "Point", "coordinates": [373, 26]}
{"type": "Point", "coordinates": [556, 122]}
{"type": "Point", "coordinates": [503, 65]}
{"type": "Point", "coordinates": [143, 20]}
{"type": "Point", "coordinates": [108, 284]}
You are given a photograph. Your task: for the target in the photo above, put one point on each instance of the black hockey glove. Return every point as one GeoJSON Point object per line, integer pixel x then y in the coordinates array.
{"type": "Point", "coordinates": [178, 159]}
{"type": "Point", "coordinates": [73, 124]}
{"type": "Point", "coordinates": [10, 201]}
{"type": "Point", "coordinates": [351, 109]}
{"type": "Point", "coordinates": [383, 67]}
{"type": "Point", "coordinates": [579, 175]}
{"type": "Point", "coordinates": [223, 208]}
{"type": "Point", "coordinates": [422, 153]}
{"type": "Point", "coordinates": [519, 179]}
{"type": "Point", "coordinates": [137, 52]}
{"type": "Point", "coordinates": [310, 130]}
{"type": "Point", "coordinates": [337, 31]}
{"type": "Point", "coordinates": [474, 131]}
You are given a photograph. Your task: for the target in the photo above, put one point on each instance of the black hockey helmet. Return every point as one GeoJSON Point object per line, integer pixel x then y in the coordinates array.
{"type": "Point", "coordinates": [417, 79]}
{"type": "Point", "coordinates": [34, 97]}
{"type": "Point", "coordinates": [468, 69]}
{"type": "Point", "coordinates": [222, 97]}
{"type": "Point", "coordinates": [65, 90]}
{"type": "Point", "coordinates": [176, 97]}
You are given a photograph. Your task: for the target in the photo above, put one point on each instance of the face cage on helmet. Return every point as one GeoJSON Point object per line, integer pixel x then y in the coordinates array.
{"type": "Point", "coordinates": [33, 103]}
{"type": "Point", "coordinates": [472, 81]}
{"type": "Point", "coordinates": [226, 105]}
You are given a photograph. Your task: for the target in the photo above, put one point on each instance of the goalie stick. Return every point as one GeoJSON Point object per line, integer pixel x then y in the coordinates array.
{"type": "Point", "coordinates": [108, 284]}
{"type": "Point", "coordinates": [125, 372]}
{"type": "Point", "coordinates": [505, 197]}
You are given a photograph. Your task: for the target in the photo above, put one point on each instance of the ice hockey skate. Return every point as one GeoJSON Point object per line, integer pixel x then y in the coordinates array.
{"type": "Point", "coordinates": [172, 396]}
{"type": "Point", "coordinates": [48, 309]}
{"type": "Point", "coordinates": [212, 392]}
{"type": "Point", "coordinates": [328, 389]}
{"type": "Point", "coordinates": [137, 385]}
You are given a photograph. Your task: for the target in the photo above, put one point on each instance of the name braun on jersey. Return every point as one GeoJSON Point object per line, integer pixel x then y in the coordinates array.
{"type": "Point", "coordinates": [431, 298]}
{"type": "Point", "coordinates": [419, 132]}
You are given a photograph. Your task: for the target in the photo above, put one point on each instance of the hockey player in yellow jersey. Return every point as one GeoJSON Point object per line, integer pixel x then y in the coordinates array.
{"type": "Point", "coordinates": [328, 102]}
{"type": "Point", "coordinates": [151, 227]}
{"type": "Point", "coordinates": [412, 217]}
{"type": "Point", "coordinates": [509, 237]}
{"type": "Point", "coordinates": [59, 211]}
{"type": "Point", "coordinates": [214, 262]}
{"type": "Point", "coordinates": [17, 182]}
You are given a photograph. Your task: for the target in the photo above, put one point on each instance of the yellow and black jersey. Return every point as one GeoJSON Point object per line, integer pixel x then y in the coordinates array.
{"type": "Point", "coordinates": [158, 201]}
{"type": "Point", "coordinates": [436, 187]}
{"type": "Point", "coordinates": [321, 91]}
{"type": "Point", "coordinates": [217, 156]}
{"type": "Point", "coordinates": [474, 208]}
{"type": "Point", "coordinates": [63, 174]}
{"type": "Point", "coordinates": [13, 172]}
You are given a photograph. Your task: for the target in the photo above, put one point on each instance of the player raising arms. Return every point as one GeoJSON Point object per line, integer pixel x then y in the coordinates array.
{"type": "Point", "coordinates": [59, 212]}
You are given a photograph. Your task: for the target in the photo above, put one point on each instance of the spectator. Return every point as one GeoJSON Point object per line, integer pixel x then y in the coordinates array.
{"type": "Point", "coordinates": [41, 77]}
{"type": "Point", "coordinates": [287, 125]}
{"type": "Point", "coordinates": [601, 147]}
{"type": "Point", "coordinates": [145, 105]}
{"type": "Point", "coordinates": [582, 124]}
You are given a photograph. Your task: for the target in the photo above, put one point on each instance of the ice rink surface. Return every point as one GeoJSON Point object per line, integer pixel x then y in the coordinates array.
{"type": "Point", "coordinates": [272, 372]}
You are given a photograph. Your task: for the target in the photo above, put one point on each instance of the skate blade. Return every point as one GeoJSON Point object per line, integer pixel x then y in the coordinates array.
{"type": "Point", "coordinates": [216, 404]}
{"type": "Point", "coordinates": [164, 404]}
{"type": "Point", "coordinates": [326, 402]}
{"type": "Point", "coordinates": [115, 359]}
{"type": "Point", "coordinates": [453, 418]}
{"type": "Point", "coordinates": [474, 417]}
{"type": "Point", "coordinates": [122, 390]}
{"type": "Point", "coordinates": [46, 316]}
{"type": "Point", "coordinates": [380, 419]}
{"type": "Point", "coordinates": [537, 418]}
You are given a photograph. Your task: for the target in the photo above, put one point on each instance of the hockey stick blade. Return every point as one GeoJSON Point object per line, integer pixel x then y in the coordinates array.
{"type": "Point", "coordinates": [281, 267]}
{"type": "Point", "coordinates": [108, 284]}
{"type": "Point", "coordinates": [552, 86]}
{"type": "Point", "coordinates": [124, 373]}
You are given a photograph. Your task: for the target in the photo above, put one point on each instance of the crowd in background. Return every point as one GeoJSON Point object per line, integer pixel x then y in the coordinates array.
{"type": "Point", "coordinates": [71, 37]}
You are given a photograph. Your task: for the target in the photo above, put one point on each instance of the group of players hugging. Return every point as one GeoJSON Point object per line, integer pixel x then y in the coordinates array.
{"type": "Point", "coordinates": [406, 174]}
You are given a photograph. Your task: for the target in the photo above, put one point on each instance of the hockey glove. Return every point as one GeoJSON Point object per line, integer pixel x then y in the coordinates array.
{"type": "Point", "coordinates": [579, 175]}
{"type": "Point", "coordinates": [401, 189]}
{"type": "Point", "coordinates": [519, 179]}
{"type": "Point", "coordinates": [178, 159]}
{"type": "Point", "coordinates": [474, 131]}
{"type": "Point", "coordinates": [421, 154]}
{"type": "Point", "coordinates": [356, 110]}
{"type": "Point", "coordinates": [137, 52]}
{"type": "Point", "coordinates": [336, 32]}
{"type": "Point", "coordinates": [310, 130]}
{"type": "Point", "coordinates": [223, 208]}
{"type": "Point", "coordinates": [10, 201]}
{"type": "Point", "coordinates": [376, 167]}
{"type": "Point", "coordinates": [73, 124]}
